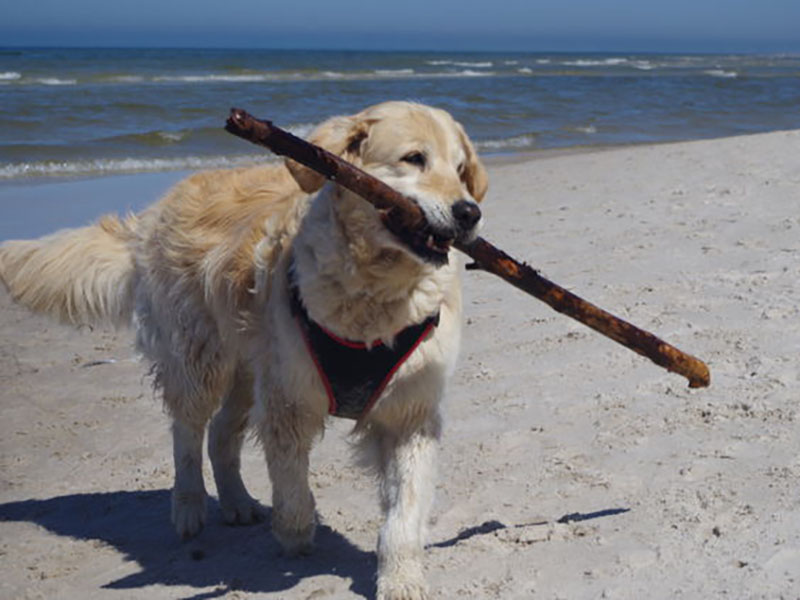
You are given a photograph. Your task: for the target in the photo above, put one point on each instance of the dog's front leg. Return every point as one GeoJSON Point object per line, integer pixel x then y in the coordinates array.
{"type": "Point", "coordinates": [287, 436]}
{"type": "Point", "coordinates": [407, 469]}
{"type": "Point", "coordinates": [225, 437]}
{"type": "Point", "coordinates": [189, 492]}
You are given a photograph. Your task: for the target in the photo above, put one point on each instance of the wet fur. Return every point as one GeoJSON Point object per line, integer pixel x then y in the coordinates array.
{"type": "Point", "coordinates": [203, 276]}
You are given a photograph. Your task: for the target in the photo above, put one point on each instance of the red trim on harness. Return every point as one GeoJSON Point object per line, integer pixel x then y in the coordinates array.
{"type": "Point", "coordinates": [398, 364]}
{"type": "Point", "coordinates": [349, 343]}
{"type": "Point", "coordinates": [332, 405]}
{"type": "Point", "coordinates": [325, 381]}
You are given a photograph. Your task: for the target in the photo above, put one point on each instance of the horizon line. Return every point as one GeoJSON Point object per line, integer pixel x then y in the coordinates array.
{"type": "Point", "coordinates": [300, 48]}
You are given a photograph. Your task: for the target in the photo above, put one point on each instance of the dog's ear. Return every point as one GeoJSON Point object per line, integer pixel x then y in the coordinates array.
{"type": "Point", "coordinates": [474, 174]}
{"type": "Point", "coordinates": [339, 135]}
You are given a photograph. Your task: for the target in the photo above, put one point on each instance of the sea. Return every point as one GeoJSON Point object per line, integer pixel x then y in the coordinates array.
{"type": "Point", "coordinates": [67, 113]}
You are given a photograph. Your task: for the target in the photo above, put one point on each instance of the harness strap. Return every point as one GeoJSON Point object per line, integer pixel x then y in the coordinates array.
{"type": "Point", "coordinates": [353, 374]}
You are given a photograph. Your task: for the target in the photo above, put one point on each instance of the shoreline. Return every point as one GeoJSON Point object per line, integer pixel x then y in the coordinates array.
{"type": "Point", "coordinates": [34, 209]}
{"type": "Point", "coordinates": [37, 206]}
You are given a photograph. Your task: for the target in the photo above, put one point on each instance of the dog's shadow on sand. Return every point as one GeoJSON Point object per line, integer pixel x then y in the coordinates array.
{"type": "Point", "coordinates": [222, 557]}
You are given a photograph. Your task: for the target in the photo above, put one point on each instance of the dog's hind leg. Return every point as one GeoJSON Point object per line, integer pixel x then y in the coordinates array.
{"type": "Point", "coordinates": [407, 472]}
{"type": "Point", "coordinates": [225, 438]}
{"type": "Point", "coordinates": [287, 434]}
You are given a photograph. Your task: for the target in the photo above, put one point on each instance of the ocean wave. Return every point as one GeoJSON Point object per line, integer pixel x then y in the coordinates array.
{"type": "Point", "coordinates": [517, 142]}
{"type": "Point", "coordinates": [154, 138]}
{"type": "Point", "coordinates": [471, 73]}
{"type": "Point", "coordinates": [213, 78]}
{"type": "Point", "coordinates": [474, 65]}
{"type": "Point", "coordinates": [54, 81]}
{"type": "Point", "coordinates": [466, 64]}
{"type": "Point", "coordinates": [606, 62]}
{"type": "Point", "coordinates": [722, 73]}
{"type": "Point", "coordinates": [205, 136]}
{"type": "Point", "coordinates": [125, 79]}
{"type": "Point", "coordinates": [114, 166]}
{"type": "Point", "coordinates": [10, 76]}
{"type": "Point", "coordinates": [393, 72]}
{"type": "Point", "coordinates": [301, 130]}
{"type": "Point", "coordinates": [457, 70]}
{"type": "Point", "coordinates": [587, 129]}
{"type": "Point", "coordinates": [641, 64]}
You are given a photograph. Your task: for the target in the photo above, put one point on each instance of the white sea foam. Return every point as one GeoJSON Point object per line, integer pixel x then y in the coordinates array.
{"type": "Point", "coordinates": [722, 73]}
{"type": "Point", "coordinates": [301, 129]}
{"type": "Point", "coordinates": [172, 137]}
{"type": "Point", "coordinates": [471, 73]}
{"type": "Point", "coordinates": [458, 63]}
{"type": "Point", "coordinates": [111, 166]}
{"type": "Point", "coordinates": [512, 143]}
{"type": "Point", "coordinates": [474, 65]}
{"type": "Point", "coordinates": [394, 72]}
{"type": "Point", "coordinates": [216, 78]}
{"type": "Point", "coordinates": [525, 71]}
{"type": "Point", "coordinates": [606, 62]}
{"type": "Point", "coordinates": [55, 81]}
{"type": "Point", "coordinates": [10, 76]}
{"type": "Point", "coordinates": [589, 129]}
{"type": "Point", "coordinates": [213, 78]}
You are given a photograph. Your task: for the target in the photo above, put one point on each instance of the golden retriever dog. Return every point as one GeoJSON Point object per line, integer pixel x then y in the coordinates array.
{"type": "Point", "coordinates": [236, 283]}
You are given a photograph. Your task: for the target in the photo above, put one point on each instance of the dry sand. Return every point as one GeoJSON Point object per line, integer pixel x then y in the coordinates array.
{"type": "Point", "coordinates": [570, 467]}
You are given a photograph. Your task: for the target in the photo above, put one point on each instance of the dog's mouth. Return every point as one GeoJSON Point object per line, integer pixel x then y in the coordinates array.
{"type": "Point", "coordinates": [433, 246]}
{"type": "Point", "coordinates": [430, 244]}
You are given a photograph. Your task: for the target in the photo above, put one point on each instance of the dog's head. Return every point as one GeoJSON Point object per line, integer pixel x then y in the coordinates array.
{"type": "Point", "coordinates": [420, 151]}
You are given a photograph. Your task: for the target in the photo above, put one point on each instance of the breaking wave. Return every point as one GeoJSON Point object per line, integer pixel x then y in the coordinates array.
{"type": "Point", "coordinates": [113, 166]}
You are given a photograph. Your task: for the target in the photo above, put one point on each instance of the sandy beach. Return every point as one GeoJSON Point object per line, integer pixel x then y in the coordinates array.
{"type": "Point", "coordinates": [570, 467]}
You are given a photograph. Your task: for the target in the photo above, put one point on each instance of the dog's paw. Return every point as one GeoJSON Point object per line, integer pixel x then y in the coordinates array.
{"type": "Point", "coordinates": [295, 542]}
{"type": "Point", "coordinates": [242, 510]}
{"type": "Point", "coordinates": [397, 588]}
{"type": "Point", "coordinates": [188, 513]}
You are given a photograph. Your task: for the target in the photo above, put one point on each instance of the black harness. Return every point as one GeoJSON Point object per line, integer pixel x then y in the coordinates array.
{"type": "Point", "coordinates": [353, 374]}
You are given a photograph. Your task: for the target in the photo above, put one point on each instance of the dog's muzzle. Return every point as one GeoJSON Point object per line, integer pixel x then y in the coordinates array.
{"type": "Point", "coordinates": [433, 243]}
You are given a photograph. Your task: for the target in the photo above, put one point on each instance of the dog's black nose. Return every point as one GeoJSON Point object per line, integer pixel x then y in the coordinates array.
{"type": "Point", "coordinates": [467, 214]}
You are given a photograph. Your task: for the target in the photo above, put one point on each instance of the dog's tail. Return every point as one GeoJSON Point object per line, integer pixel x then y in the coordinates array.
{"type": "Point", "coordinates": [81, 276]}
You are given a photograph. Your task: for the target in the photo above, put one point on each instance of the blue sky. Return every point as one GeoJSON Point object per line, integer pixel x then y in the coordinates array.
{"type": "Point", "coordinates": [560, 25]}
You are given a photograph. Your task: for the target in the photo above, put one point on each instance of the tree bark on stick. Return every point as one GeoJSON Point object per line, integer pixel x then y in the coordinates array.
{"type": "Point", "coordinates": [402, 216]}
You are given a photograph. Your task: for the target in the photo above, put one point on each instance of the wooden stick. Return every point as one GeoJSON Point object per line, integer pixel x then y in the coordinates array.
{"type": "Point", "coordinates": [403, 216]}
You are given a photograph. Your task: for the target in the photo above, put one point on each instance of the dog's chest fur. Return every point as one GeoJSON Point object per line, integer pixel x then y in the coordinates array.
{"type": "Point", "coordinates": [352, 282]}
{"type": "Point", "coordinates": [356, 288]}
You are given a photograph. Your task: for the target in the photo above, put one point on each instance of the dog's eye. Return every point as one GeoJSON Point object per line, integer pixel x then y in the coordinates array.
{"type": "Point", "coordinates": [415, 158]}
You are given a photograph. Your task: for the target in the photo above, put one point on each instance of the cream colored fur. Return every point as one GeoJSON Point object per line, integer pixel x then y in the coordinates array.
{"type": "Point", "coordinates": [203, 275]}
{"type": "Point", "coordinates": [79, 276]}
